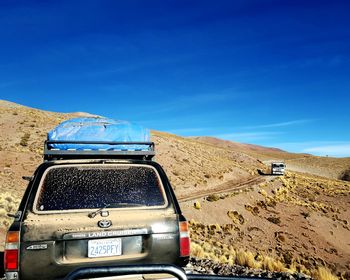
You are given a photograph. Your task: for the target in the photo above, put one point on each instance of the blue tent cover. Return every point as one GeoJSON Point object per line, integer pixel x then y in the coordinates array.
{"type": "Point", "coordinates": [98, 129]}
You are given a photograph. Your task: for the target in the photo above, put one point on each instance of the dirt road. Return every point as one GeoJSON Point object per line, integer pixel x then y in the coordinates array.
{"type": "Point", "coordinates": [226, 187]}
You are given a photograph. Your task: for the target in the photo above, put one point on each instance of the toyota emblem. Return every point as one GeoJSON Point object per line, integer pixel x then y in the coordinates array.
{"type": "Point", "coordinates": [104, 223]}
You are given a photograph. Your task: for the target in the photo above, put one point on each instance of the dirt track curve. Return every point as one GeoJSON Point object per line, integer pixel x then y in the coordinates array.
{"type": "Point", "coordinates": [226, 187]}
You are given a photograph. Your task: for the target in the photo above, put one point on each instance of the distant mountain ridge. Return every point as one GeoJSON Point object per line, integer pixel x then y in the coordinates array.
{"type": "Point", "coordinates": [333, 168]}
{"type": "Point", "coordinates": [231, 144]}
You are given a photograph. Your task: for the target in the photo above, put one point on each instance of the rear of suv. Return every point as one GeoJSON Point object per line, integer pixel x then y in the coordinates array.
{"type": "Point", "coordinates": [86, 208]}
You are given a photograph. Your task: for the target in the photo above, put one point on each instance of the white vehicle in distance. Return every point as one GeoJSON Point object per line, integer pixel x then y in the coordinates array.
{"type": "Point", "coordinates": [278, 168]}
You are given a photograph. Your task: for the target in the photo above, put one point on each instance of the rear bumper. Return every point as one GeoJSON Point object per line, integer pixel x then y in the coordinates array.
{"type": "Point", "coordinates": [11, 276]}
{"type": "Point", "coordinates": [176, 272]}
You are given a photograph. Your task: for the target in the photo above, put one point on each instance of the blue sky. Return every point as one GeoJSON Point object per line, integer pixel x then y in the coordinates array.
{"type": "Point", "coordinates": [273, 73]}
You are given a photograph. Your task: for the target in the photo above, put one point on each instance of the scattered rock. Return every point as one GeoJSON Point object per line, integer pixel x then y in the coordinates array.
{"type": "Point", "coordinates": [213, 197]}
{"type": "Point", "coordinates": [274, 220]}
{"type": "Point", "coordinates": [205, 266]}
{"type": "Point", "coordinates": [280, 236]}
{"type": "Point", "coordinates": [197, 205]}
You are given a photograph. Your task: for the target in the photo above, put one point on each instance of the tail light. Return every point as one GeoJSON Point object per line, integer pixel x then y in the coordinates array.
{"type": "Point", "coordinates": [184, 239]}
{"type": "Point", "coordinates": [11, 251]}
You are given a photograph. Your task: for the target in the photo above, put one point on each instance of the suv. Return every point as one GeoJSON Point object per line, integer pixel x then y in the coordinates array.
{"type": "Point", "coordinates": [278, 168]}
{"type": "Point", "coordinates": [85, 208]}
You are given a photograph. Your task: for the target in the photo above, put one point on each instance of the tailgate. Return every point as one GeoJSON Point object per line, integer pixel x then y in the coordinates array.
{"type": "Point", "coordinates": [54, 249]}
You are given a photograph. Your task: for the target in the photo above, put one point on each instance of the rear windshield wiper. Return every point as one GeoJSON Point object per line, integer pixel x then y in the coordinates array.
{"type": "Point", "coordinates": [98, 211]}
{"type": "Point", "coordinates": [115, 205]}
{"type": "Point", "coordinates": [127, 204]}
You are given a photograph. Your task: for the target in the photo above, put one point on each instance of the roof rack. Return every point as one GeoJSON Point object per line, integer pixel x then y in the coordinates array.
{"type": "Point", "coordinates": [108, 149]}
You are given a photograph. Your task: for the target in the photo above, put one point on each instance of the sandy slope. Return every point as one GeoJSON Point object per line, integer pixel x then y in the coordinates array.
{"type": "Point", "coordinates": [300, 220]}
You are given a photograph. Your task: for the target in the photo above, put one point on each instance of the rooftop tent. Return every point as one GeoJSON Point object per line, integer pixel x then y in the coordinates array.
{"type": "Point", "coordinates": [97, 130]}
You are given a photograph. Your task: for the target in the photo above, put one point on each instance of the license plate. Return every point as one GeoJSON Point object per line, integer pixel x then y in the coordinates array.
{"type": "Point", "coordinates": [104, 247]}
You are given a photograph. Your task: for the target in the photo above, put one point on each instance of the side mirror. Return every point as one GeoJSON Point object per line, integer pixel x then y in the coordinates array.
{"type": "Point", "coordinates": [16, 216]}
{"type": "Point", "coordinates": [27, 178]}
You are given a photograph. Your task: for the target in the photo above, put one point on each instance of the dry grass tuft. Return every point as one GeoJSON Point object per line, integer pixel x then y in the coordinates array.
{"type": "Point", "coordinates": [247, 259]}
{"type": "Point", "coordinates": [8, 204]}
{"type": "Point", "coordinates": [224, 254]}
{"type": "Point", "coordinates": [263, 192]}
{"type": "Point", "coordinates": [323, 273]}
{"type": "Point", "coordinates": [270, 264]}
{"type": "Point", "coordinates": [197, 251]}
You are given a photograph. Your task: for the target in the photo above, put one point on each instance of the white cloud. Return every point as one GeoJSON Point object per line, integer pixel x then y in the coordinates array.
{"type": "Point", "coordinates": [188, 131]}
{"type": "Point", "coordinates": [247, 137]}
{"type": "Point", "coordinates": [319, 148]}
{"type": "Point", "coordinates": [289, 123]}
{"type": "Point", "coordinates": [187, 102]}
{"type": "Point", "coordinates": [338, 150]}
{"type": "Point", "coordinates": [281, 124]}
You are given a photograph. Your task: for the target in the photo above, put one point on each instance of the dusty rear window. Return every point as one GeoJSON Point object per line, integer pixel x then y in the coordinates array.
{"type": "Point", "coordinates": [95, 186]}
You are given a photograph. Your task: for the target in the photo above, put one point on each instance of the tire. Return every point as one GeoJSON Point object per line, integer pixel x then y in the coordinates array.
{"type": "Point", "coordinates": [2, 270]}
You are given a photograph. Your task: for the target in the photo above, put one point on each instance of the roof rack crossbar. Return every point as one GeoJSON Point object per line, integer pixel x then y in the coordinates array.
{"type": "Point", "coordinates": [150, 144]}
{"type": "Point", "coordinates": [53, 152]}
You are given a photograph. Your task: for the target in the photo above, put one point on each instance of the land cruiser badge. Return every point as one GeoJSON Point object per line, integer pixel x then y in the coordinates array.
{"type": "Point", "coordinates": [104, 223]}
{"type": "Point", "coordinates": [37, 247]}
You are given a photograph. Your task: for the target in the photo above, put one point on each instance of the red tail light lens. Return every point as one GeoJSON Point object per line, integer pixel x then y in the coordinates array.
{"type": "Point", "coordinates": [184, 246]}
{"type": "Point", "coordinates": [184, 239]}
{"type": "Point", "coordinates": [11, 251]}
{"type": "Point", "coordinates": [11, 259]}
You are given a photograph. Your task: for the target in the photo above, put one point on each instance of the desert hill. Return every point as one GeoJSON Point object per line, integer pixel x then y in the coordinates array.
{"type": "Point", "coordinates": [247, 148]}
{"type": "Point", "coordinates": [24, 131]}
{"type": "Point", "coordinates": [190, 165]}
{"type": "Point", "coordinates": [295, 223]}
{"type": "Point", "coordinates": [330, 167]}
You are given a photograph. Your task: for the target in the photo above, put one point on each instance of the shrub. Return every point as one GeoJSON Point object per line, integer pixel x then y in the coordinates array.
{"type": "Point", "coordinates": [24, 139]}
{"type": "Point", "coordinates": [345, 176]}
{"type": "Point", "coordinates": [213, 197]}
{"type": "Point", "coordinates": [305, 214]}
{"type": "Point", "coordinates": [254, 210]}
{"type": "Point", "coordinates": [236, 217]}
